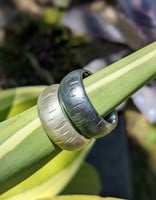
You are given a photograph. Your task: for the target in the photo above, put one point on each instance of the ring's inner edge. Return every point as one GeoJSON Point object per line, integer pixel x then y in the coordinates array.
{"type": "Point", "coordinates": [111, 117]}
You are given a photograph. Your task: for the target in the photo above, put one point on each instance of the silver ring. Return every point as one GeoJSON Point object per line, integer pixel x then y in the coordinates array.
{"type": "Point", "coordinates": [55, 122]}
{"type": "Point", "coordinates": [79, 109]}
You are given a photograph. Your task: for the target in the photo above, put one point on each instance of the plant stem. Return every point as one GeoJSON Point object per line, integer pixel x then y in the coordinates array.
{"type": "Point", "coordinates": [24, 146]}
{"type": "Point", "coordinates": [111, 86]}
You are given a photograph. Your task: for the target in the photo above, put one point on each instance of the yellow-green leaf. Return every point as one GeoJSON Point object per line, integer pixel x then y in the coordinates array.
{"type": "Point", "coordinates": [24, 148]}
{"type": "Point", "coordinates": [15, 101]}
{"type": "Point", "coordinates": [86, 181]}
{"type": "Point", "coordinates": [50, 179]}
{"type": "Point", "coordinates": [81, 197]}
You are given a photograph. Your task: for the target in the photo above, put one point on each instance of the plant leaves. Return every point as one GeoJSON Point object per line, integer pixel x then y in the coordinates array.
{"type": "Point", "coordinates": [121, 79]}
{"type": "Point", "coordinates": [18, 144]}
{"type": "Point", "coordinates": [21, 139]}
{"type": "Point", "coordinates": [86, 181]}
{"type": "Point", "coordinates": [25, 147]}
{"type": "Point", "coordinates": [81, 197]}
{"type": "Point", "coordinates": [50, 179]}
{"type": "Point", "coordinates": [14, 101]}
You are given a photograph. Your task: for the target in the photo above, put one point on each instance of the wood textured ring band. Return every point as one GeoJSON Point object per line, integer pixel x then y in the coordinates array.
{"type": "Point", "coordinates": [79, 109]}
{"type": "Point", "coordinates": [55, 122]}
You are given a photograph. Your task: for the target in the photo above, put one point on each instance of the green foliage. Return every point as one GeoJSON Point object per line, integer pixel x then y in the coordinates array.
{"type": "Point", "coordinates": [26, 149]}
{"type": "Point", "coordinates": [121, 79]}
{"type": "Point", "coordinates": [42, 39]}
{"type": "Point", "coordinates": [81, 197]}
{"type": "Point", "coordinates": [15, 101]}
{"type": "Point", "coordinates": [21, 137]}
{"type": "Point", "coordinates": [14, 57]}
{"type": "Point", "coordinates": [86, 181]}
{"type": "Point", "coordinates": [50, 179]}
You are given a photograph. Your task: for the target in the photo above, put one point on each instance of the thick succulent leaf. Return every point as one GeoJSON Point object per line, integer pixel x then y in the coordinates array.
{"type": "Point", "coordinates": [81, 197]}
{"type": "Point", "coordinates": [14, 101]}
{"type": "Point", "coordinates": [50, 179]}
{"type": "Point", "coordinates": [86, 181]}
{"type": "Point", "coordinates": [121, 79]}
{"type": "Point", "coordinates": [21, 139]}
{"type": "Point", "coordinates": [25, 147]}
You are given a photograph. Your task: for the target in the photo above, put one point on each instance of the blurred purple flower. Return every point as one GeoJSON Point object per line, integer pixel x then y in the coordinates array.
{"type": "Point", "coordinates": [82, 20]}
{"type": "Point", "coordinates": [143, 15]}
{"type": "Point", "coordinates": [145, 100]}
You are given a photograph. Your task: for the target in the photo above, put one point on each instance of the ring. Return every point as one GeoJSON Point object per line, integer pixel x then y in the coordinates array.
{"type": "Point", "coordinates": [79, 109]}
{"type": "Point", "coordinates": [55, 122]}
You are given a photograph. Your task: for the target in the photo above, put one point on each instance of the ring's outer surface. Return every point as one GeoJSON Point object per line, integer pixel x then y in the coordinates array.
{"type": "Point", "coordinates": [56, 123]}
{"type": "Point", "coordinates": [79, 109]}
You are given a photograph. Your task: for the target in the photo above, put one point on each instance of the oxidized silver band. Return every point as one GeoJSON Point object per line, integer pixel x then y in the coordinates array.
{"type": "Point", "coordinates": [79, 109]}
{"type": "Point", "coordinates": [56, 123]}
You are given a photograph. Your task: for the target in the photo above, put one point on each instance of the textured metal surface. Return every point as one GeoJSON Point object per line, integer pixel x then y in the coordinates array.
{"type": "Point", "coordinates": [55, 122]}
{"type": "Point", "coordinates": [79, 109]}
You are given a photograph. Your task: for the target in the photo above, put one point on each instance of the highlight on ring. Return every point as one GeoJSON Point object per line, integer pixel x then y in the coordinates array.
{"type": "Point", "coordinates": [67, 115]}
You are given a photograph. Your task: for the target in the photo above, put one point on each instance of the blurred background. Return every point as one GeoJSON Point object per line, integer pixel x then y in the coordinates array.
{"type": "Point", "coordinates": [42, 40]}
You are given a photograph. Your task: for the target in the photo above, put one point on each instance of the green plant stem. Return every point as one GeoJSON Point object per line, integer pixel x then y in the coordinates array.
{"type": "Point", "coordinates": [111, 86]}
{"type": "Point", "coordinates": [23, 134]}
